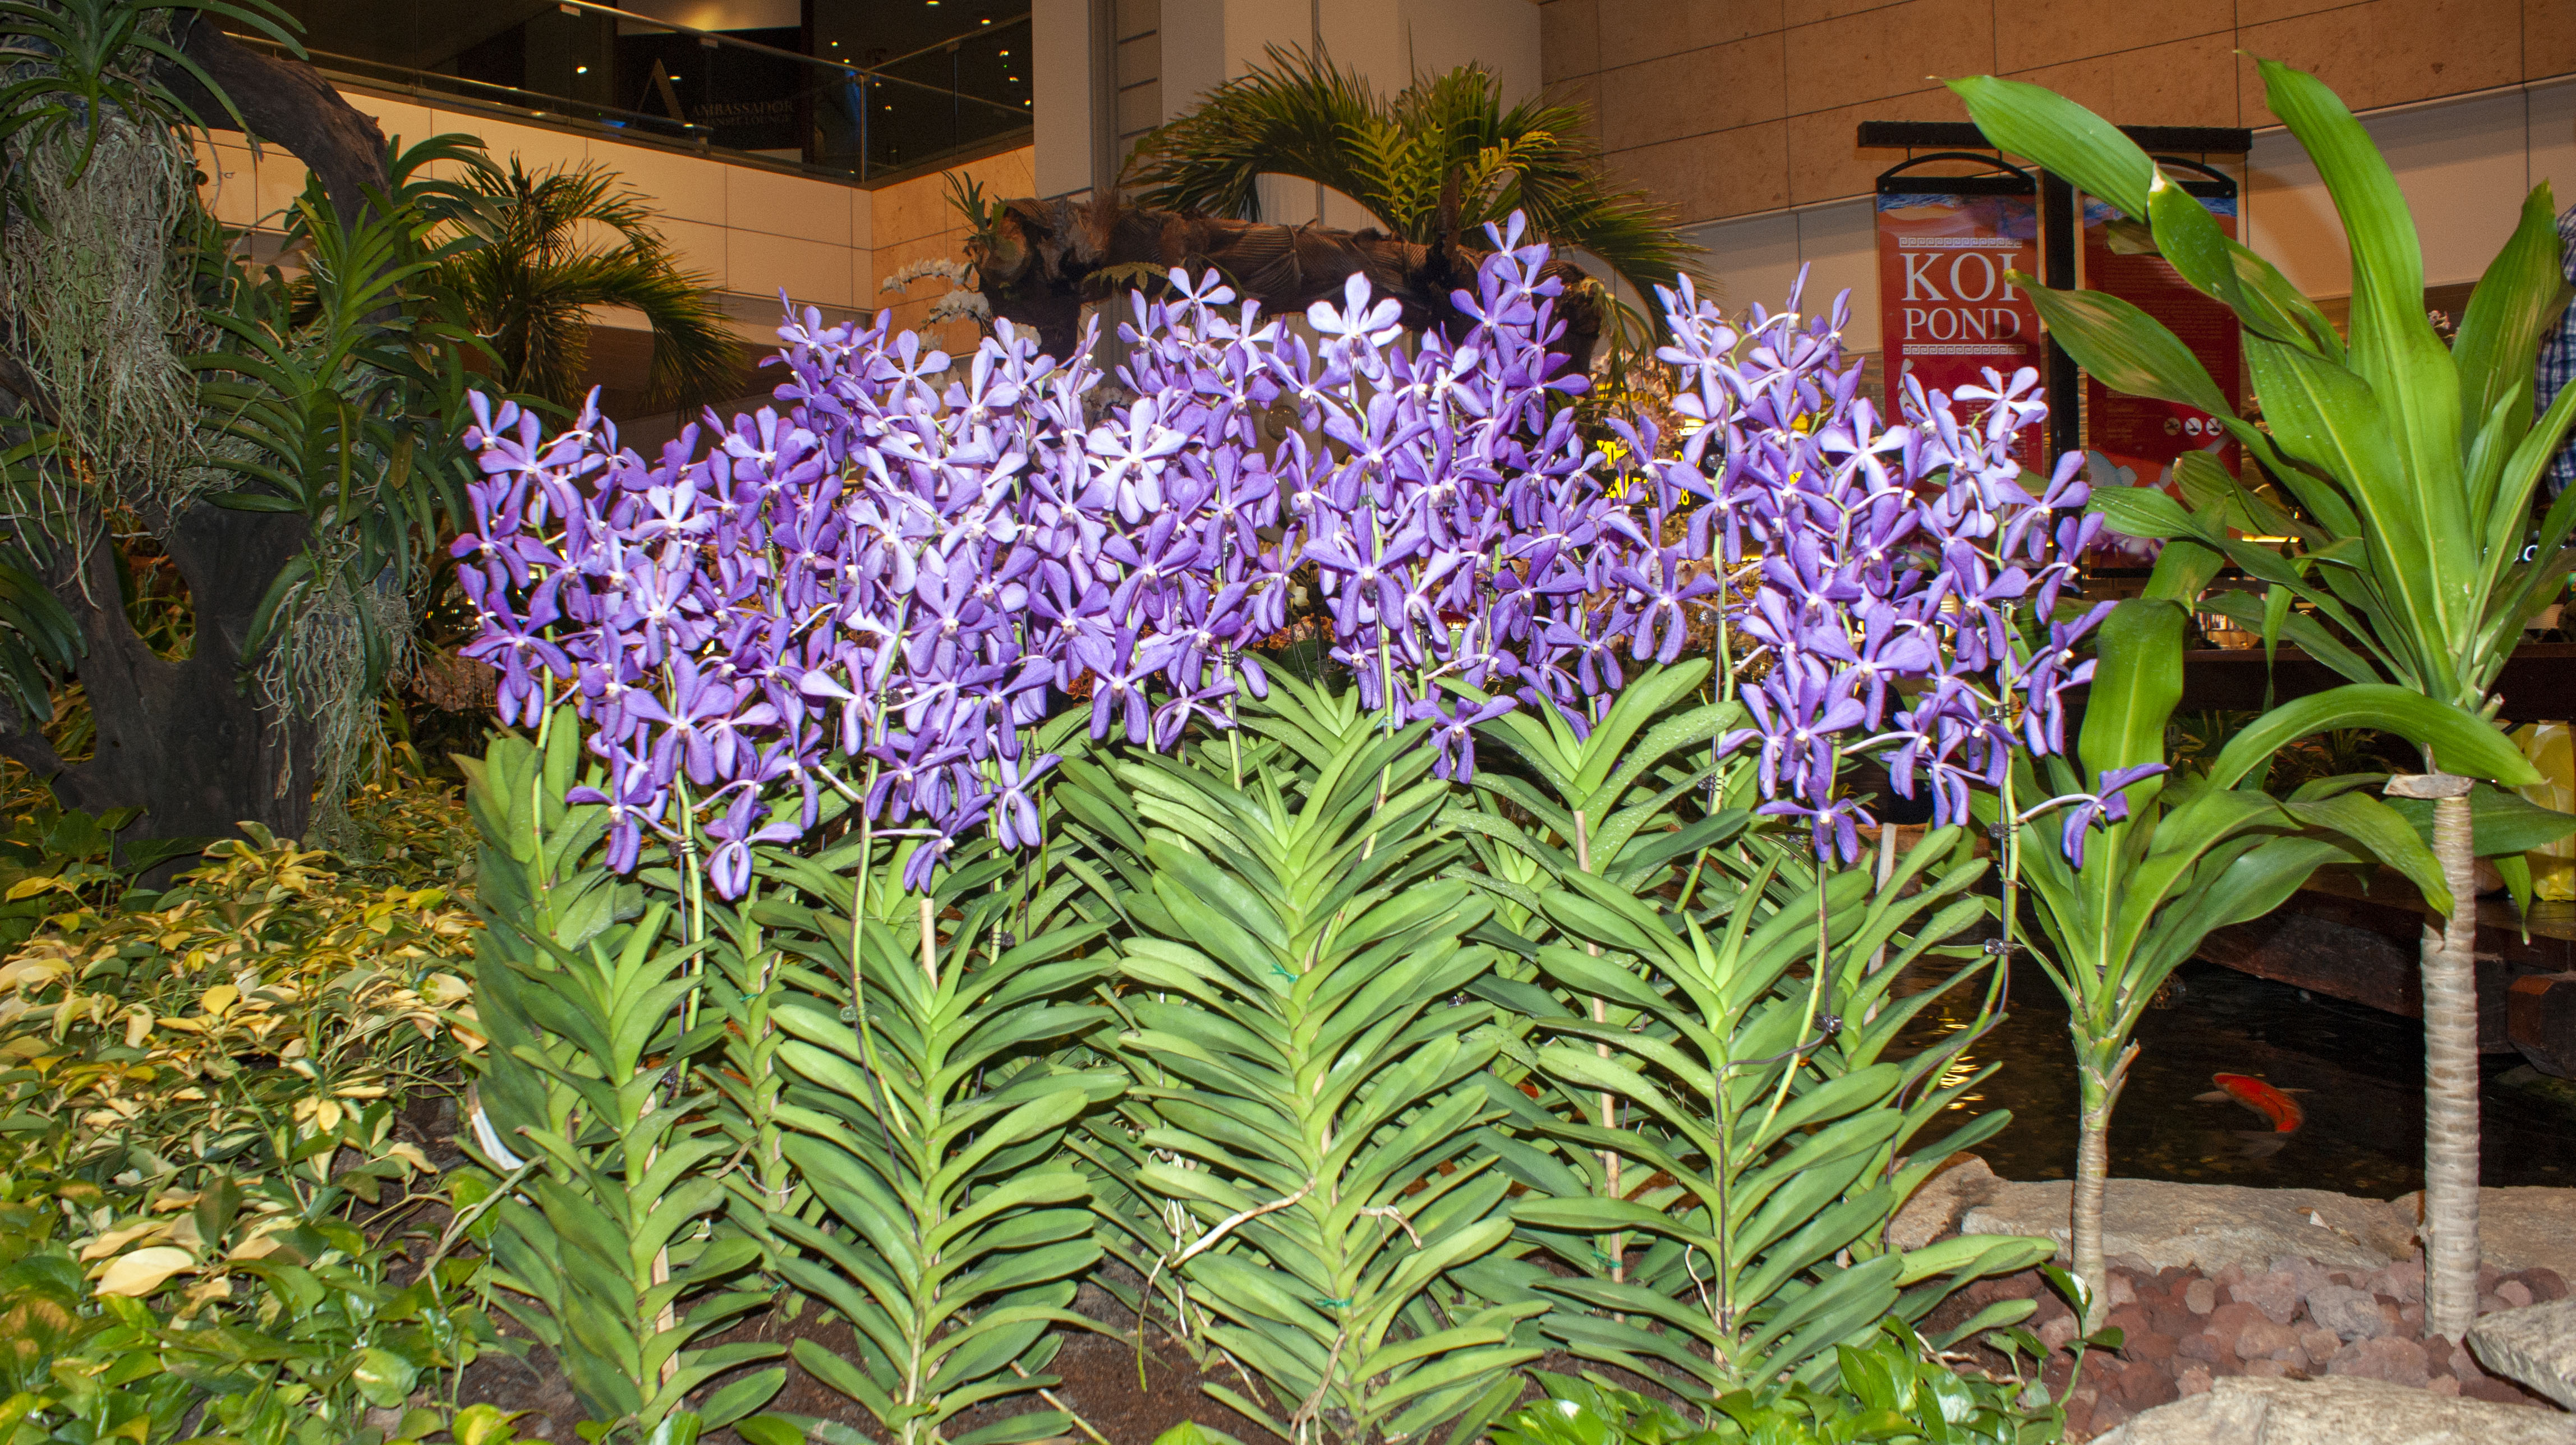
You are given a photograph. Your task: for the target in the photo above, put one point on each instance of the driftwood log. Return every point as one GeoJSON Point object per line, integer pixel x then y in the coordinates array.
{"type": "Point", "coordinates": [1038, 262]}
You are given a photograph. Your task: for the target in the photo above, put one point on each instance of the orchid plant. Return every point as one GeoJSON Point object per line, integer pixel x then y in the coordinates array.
{"type": "Point", "coordinates": [841, 657]}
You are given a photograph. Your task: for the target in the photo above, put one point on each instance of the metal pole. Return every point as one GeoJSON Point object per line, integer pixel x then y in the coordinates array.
{"type": "Point", "coordinates": [2058, 230]}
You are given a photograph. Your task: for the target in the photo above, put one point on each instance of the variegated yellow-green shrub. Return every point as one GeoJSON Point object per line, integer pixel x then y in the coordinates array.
{"type": "Point", "coordinates": [260, 1005]}
{"type": "Point", "coordinates": [199, 1142]}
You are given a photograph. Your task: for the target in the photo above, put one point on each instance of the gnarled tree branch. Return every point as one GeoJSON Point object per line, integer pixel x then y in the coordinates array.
{"type": "Point", "coordinates": [1039, 261]}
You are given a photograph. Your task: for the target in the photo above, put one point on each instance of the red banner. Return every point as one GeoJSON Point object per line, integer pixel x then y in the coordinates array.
{"type": "Point", "coordinates": [2135, 439]}
{"type": "Point", "coordinates": [1947, 314]}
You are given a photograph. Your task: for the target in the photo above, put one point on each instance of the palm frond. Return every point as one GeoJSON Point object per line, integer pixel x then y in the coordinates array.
{"type": "Point", "coordinates": [544, 262]}
{"type": "Point", "coordinates": [1302, 115]}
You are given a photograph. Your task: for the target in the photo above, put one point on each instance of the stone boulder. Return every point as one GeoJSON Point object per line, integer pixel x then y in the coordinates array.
{"type": "Point", "coordinates": [2532, 1227]}
{"type": "Point", "coordinates": [2208, 1227]}
{"type": "Point", "coordinates": [2240, 1410]}
{"type": "Point", "coordinates": [2535, 1344]}
{"type": "Point", "coordinates": [1963, 1182]}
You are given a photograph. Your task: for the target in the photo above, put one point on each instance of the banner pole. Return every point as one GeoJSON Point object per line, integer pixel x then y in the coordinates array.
{"type": "Point", "coordinates": [2058, 228]}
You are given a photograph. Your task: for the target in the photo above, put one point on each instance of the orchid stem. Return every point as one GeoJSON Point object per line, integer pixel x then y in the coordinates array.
{"type": "Point", "coordinates": [1618, 1242]}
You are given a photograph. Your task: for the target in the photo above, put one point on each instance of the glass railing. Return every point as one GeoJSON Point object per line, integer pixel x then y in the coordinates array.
{"type": "Point", "coordinates": [745, 92]}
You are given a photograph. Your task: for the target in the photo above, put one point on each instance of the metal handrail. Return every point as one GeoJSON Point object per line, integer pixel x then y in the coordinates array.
{"type": "Point", "coordinates": [645, 125]}
{"type": "Point", "coordinates": [721, 38]}
{"type": "Point", "coordinates": [506, 95]}
{"type": "Point", "coordinates": [406, 72]}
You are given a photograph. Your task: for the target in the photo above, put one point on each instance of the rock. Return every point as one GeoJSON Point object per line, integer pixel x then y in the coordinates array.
{"type": "Point", "coordinates": [2514, 1293]}
{"type": "Point", "coordinates": [2320, 1344]}
{"type": "Point", "coordinates": [2400, 1362]}
{"type": "Point", "coordinates": [2229, 1320]}
{"type": "Point", "coordinates": [2305, 1274]}
{"type": "Point", "coordinates": [2057, 1332]}
{"type": "Point", "coordinates": [2121, 1290]}
{"type": "Point", "coordinates": [2248, 1411]}
{"type": "Point", "coordinates": [2270, 1369]}
{"type": "Point", "coordinates": [2404, 1279]}
{"type": "Point", "coordinates": [2535, 1344]}
{"type": "Point", "coordinates": [2193, 1380]}
{"type": "Point", "coordinates": [2265, 1340]}
{"type": "Point", "coordinates": [1962, 1182]}
{"type": "Point", "coordinates": [2546, 1285]}
{"type": "Point", "coordinates": [2141, 1386]}
{"type": "Point", "coordinates": [2518, 1229]}
{"type": "Point", "coordinates": [2198, 1347]}
{"type": "Point", "coordinates": [2200, 1296]}
{"type": "Point", "coordinates": [2352, 1314]}
{"type": "Point", "coordinates": [2148, 1345]}
{"type": "Point", "coordinates": [2209, 1227]}
{"type": "Point", "coordinates": [2275, 1294]}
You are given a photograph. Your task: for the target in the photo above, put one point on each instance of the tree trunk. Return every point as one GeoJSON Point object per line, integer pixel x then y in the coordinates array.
{"type": "Point", "coordinates": [2099, 1088]}
{"type": "Point", "coordinates": [1039, 261]}
{"type": "Point", "coordinates": [288, 103]}
{"type": "Point", "coordinates": [2451, 1073]}
{"type": "Point", "coordinates": [188, 742]}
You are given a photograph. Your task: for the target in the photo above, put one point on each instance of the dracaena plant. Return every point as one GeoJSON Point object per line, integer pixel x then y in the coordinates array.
{"type": "Point", "coordinates": [2415, 465]}
{"type": "Point", "coordinates": [1313, 1100]}
{"type": "Point", "coordinates": [2119, 913]}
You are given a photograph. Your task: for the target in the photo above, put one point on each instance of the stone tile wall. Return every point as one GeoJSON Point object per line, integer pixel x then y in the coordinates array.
{"type": "Point", "coordinates": [749, 232]}
{"type": "Point", "coordinates": [1734, 107]}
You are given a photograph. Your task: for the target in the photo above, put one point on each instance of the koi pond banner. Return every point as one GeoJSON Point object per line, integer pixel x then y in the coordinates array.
{"type": "Point", "coordinates": [2135, 439]}
{"type": "Point", "coordinates": [1946, 311]}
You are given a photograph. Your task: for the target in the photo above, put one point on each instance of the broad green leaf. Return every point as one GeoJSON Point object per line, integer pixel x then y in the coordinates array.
{"type": "Point", "coordinates": [2463, 743]}
{"type": "Point", "coordinates": [2063, 137]}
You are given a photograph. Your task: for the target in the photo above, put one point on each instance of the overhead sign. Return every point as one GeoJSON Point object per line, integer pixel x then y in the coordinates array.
{"type": "Point", "coordinates": [1948, 312]}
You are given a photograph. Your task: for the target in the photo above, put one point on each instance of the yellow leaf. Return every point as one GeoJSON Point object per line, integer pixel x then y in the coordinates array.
{"type": "Point", "coordinates": [219, 998]}
{"type": "Point", "coordinates": [213, 1289]}
{"type": "Point", "coordinates": [142, 1272]}
{"type": "Point", "coordinates": [262, 1240]}
{"type": "Point", "coordinates": [116, 1239]}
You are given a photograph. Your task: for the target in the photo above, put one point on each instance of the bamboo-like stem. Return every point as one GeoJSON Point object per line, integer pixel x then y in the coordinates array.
{"type": "Point", "coordinates": [2098, 1088]}
{"type": "Point", "coordinates": [2451, 1075]}
{"type": "Point", "coordinates": [1886, 870]}
{"type": "Point", "coordinates": [1618, 1250]}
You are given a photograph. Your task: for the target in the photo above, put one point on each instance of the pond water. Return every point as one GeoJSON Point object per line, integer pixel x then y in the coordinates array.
{"type": "Point", "coordinates": [2363, 1071]}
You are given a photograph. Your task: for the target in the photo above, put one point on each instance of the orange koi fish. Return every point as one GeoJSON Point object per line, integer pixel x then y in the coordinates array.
{"type": "Point", "coordinates": [2273, 1104]}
